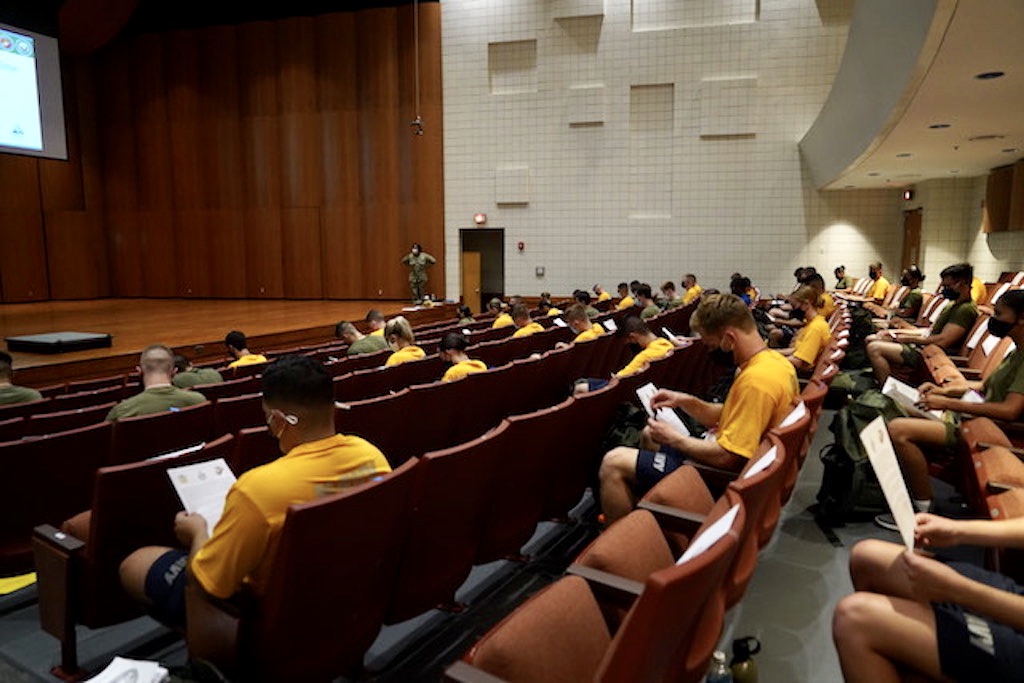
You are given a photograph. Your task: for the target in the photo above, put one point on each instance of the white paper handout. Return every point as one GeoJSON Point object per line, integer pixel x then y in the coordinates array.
{"type": "Point", "coordinates": [561, 323]}
{"type": "Point", "coordinates": [202, 487]}
{"type": "Point", "coordinates": [762, 463]}
{"type": "Point", "coordinates": [908, 397]}
{"type": "Point", "coordinates": [875, 438]}
{"type": "Point", "coordinates": [610, 325]}
{"type": "Point", "coordinates": [122, 670]}
{"type": "Point", "coordinates": [666, 415]}
{"type": "Point", "coordinates": [669, 334]}
{"type": "Point", "coordinates": [710, 535]}
{"type": "Point", "coordinates": [794, 415]}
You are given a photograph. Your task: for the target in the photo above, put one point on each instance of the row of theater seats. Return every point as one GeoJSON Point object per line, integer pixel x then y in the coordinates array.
{"type": "Point", "coordinates": [48, 476]}
{"type": "Point", "coordinates": [416, 534]}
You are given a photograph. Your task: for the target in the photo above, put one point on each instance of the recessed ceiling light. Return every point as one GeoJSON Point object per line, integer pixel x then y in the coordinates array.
{"type": "Point", "coordinates": [849, 187]}
{"type": "Point", "coordinates": [936, 126]}
{"type": "Point", "coordinates": [989, 75]}
{"type": "Point", "coordinates": [983, 138]}
{"type": "Point", "coordinates": [904, 155]}
{"type": "Point", "coordinates": [1009, 150]}
{"type": "Point", "coordinates": [874, 174]}
{"type": "Point", "coordinates": [955, 171]}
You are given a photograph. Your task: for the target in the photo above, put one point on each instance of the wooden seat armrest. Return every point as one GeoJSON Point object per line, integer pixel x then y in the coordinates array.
{"type": "Point", "coordinates": [970, 373]}
{"type": "Point", "coordinates": [606, 587]}
{"type": "Point", "coordinates": [213, 624]}
{"type": "Point", "coordinates": [461, 672]}
{"type": "Point", "coordinates": [57, 558]}
{"type": "Point", "coordinates": [1019, 452]}
{"type": "Point", "coordinates": [673, 519]}
{"type": "Point", "coordinates": [958, 360]}
{"type": "Point", "coordinates": [717, 478]}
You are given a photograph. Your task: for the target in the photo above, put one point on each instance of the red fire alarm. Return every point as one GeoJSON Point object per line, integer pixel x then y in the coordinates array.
{"type": "Point", "coordinates": [480, 218]}
{"type": "Point", "coordinates": [521, 245]}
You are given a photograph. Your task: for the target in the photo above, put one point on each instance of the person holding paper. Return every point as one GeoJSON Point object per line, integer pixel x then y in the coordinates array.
{"type": "Point", "coordinates": [578, 319]}
{"type": "Point", "coordinates": [625, 300]}
{"type": "Point", "coordinates": [902, 348]}
{"type": "Point", "coordinates": [813, 336]}
{"type": "Point", "coordinates": [1003, 393]}
{"type": "Point", "coordinates": [452, 349]}
{"type": "Point", "coordinates": [524, 324]}
{"type": "Point", "coordinates": [762, 394]}
{"type": "Point", "coordinates": [298, 401]}
{"type": "Point", "coordinates": [942, 620]}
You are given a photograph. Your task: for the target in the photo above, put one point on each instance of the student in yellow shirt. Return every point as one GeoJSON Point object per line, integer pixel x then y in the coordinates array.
{"type": "Point", "coordinates": [651, 345]}
{"type": "Point", "coordinates": [625, 300]}
{"type": "Point", "coordinates": [238, 347]}
{"type": "Point", "coordinates": [601, 294]}
{"type": "Point", "coordinates": [452, 349]}
{"type": "Point", "coordinates": [576, 318]}
{"type": "Point", "coordinates": [813, 336]}
{"type": "Point", "coordinates": [521, 319]}
{"type": "Point", "coordinates": [398, 333]}
{"type": "Point", "coordinates": [880, 285]}
{"type": "Point", "coordinates": [375, 321]}
{"type": "Point", "coordinates": [692, 289]}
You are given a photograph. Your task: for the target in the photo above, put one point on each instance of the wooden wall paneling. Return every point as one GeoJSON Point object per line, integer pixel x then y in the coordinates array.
{"type": "Point", "coordinates": [379, 125]}
{"type": "Point", "coordinates": [23, 275]}
{"type": "Point", "coordinates": [116, 125]}
{"type": "Point", "coordinates": [227, 253]}
{"type": "Point", "coordinates": [192, 253]}
{"type": "Point", "coordinates": [301, 253]}
{"type": "Point", "coordinates": [263, 258]}
{"type": "Point", "coordinates": [19, 183]}
{"type": "Point", "coordinates": [160, 253]}
{"type": "Point", "coordinates": [184, 114]}
{"type": "Point", "coordinates": [61, 182]}
{"type": "Point", "coordinates": [301, 144]}
{"type": "Point", "coordinates": [151, 123]}
{"type": "Point", "coordinates": [997, 200]}
{"type": "Point", "coordinates": [76, 254]}
{"type": "Point", "coordinates": [125, 252]}
{"type": "Point", "coordinates": [337, 86]}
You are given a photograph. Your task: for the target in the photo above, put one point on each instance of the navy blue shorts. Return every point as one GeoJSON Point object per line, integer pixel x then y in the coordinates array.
{"type": "Point", "coordinates": [165, 587]}
{"type": "Point", "coordinates": [653, 466]}
{"type": "Point", "coordinates": [973, 647]}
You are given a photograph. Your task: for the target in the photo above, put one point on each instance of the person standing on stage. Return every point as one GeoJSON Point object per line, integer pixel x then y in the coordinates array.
{"type": "Point", "coordinates": [418, 262]}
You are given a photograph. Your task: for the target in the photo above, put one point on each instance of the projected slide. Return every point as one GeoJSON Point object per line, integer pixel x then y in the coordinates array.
{"type": "Point", "coordinates": [20, 123]}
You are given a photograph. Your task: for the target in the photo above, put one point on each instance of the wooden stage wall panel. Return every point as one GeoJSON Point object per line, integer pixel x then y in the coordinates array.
{"type": "Point", "coordinates": [284, 167]}
{"type": "Point", "coordinates": [183, 324]}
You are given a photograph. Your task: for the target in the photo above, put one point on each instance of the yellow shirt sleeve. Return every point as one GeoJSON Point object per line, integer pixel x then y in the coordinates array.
{"type": "Point", "coordinates": [810, 340]}
{"type": "Point", "coordinates": [691, 294]}
{"type": "Point", "coordinates": [759, 398]}
{"type": "Point", "coordinates": [656, 349]}
{"type": "Point", "coordinates": [234, 550]}
{"type": "Point", "coordinates": [626, 302]}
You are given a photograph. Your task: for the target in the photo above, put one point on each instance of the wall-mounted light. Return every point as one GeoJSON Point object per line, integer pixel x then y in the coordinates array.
{"type": "Point", "coordinates": [480, 218]}
{"type": "Point", "coordinates": [520, 245]}
{"type": "Point", "coordinates": [908, 195]}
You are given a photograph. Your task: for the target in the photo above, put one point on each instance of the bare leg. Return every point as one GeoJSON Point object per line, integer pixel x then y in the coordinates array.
{"type": "Point", "coordinates": [618, 475]}
{"type": "Point", "coordinates": [908, 435]}
{"type": "Point", "coordinates": [883, 355]}
{"type": "Point", "coordinates": [134, 569]}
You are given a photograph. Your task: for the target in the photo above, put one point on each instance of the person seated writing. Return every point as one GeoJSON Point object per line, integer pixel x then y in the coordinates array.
{"type": "Point", "coordinates": [813, 336]}
{"type": "Point", "coordinates": [909, 305]}
{"type": "Point", "coordinates": [187, 375]}
{"type": "Point", "coordinates": [524, 325]}
{"type": "Point", "coordinates": [156, 365]}
{"type": "Point", "coordinates": [579, 320]}
{"type": "Point", "coordinates": [625, 300]}
{"type": "Point", "coordinates": [357, 341]}
{"type": "Point", "coordinates": [762, 394]}
{"type": "Point", "coordinates": [601, 294]}
{"type": "Point", "coordinates": [399, 336]}
{"type": "Point", "coordinates": [645, 299]}
{"type": "Point", "coordinates": [238, 348]}
{"type": "Point", "coordinates": [238, 554]}
{"type": "Point", "coordinates": [452, 349]}
{"type": "Point", "coordinates": [1004, 400]}
{"type": "Point", "coordinates": [902, 348]}
{"type": "Point", "coordinates": [693, 290]}
{"type": "Point", "coordinates": [914, 617]}
{"type": "Point", "coordinates": [375, 321]}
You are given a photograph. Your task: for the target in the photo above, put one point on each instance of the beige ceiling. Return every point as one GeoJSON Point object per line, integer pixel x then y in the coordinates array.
{"type": "Point", "coordinates": [985, 117]}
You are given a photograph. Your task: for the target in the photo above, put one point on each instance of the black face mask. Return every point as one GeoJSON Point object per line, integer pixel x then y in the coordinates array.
{"type": "Point", "coordinates": [635, 348]}
{"type": "Point", "coordinates": [950, 293]}
{"type": "Point", "coordinates": [873, 274]}
{"type": "Point", "coordinates": [905, 281]}
{"type": "Point", "coordinates": [722, 357]}
{"type": "Point", "coordinates": [798, 314]}
{"type": "Point", "coordinates": [999, 328]}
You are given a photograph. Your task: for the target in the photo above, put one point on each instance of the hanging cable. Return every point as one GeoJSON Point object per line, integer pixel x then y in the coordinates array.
{"type": "Point", "coordinates": [417, 123]}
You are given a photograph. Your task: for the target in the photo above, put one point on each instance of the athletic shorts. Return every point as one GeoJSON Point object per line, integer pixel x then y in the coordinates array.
{"type": "Point", "coordinates": [653, 466]}
{"type": "Point", "coordinates": [976, 648]}
{"type": "Point", "coordinates": [165, 587]}
{"type": "Point", "coordinates": [911, 355]}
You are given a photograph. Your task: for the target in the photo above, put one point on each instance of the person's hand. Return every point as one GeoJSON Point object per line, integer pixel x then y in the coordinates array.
{"type": "Point", "coordinates": [662, 433]}
{"type": "Point", "coordinates": [933, 401]}
{"type": "Point", "coordinates": [932, 581]}
{"type": "Point", "coordinates": [663, 398]}
{"type": "Point", "coordinates": [934, 531]}
{"type": "Point", "coordinates": [927, 388]}
{"type": "Point", "coordinates": [188, 525]}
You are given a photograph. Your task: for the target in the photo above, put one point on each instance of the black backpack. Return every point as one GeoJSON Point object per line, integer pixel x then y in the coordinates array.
{"type": "Point", "coordinates": [861, 327]}
{"type": "Point", "coordinates": [849, 489]}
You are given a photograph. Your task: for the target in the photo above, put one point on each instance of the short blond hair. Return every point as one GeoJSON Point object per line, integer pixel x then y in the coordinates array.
{"type": "Point", "coordinates": [808, 295]}
{"type": "Point", "coordinates": [718, 311]}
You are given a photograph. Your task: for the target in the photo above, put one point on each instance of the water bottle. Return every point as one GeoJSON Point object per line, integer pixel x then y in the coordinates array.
{"type": "Point", "coordinates": [743, 666]}
{"type": "Point", "coordinates": [719, 672]}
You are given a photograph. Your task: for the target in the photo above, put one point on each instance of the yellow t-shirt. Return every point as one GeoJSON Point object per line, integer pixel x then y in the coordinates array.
{"type": "Point", "coordinates": [811, 339]}
{"type": "Point", "coordinates": [527, 330]}
{"type": "Point", "coordinates": [554, 311]}
{"type": "Point", "coordinates": [460, 370]}
{"type": "Point", "coordinates": [691, 294]}
{"type": "Point", "coordinates": [404, 355]}
{"type": "Point", "coordinates": [250, 359]}
{"type": "Point", "coordinates": [978, 289]}
{"type": "Point", "coordinates": [503, 320]}
{"type": "Point", "coordinates": [759, 399]}
{"type": "Point", "coordinates": [656, 349]}
{"type": "Point", "coordinates": [241, 548]}
{"type": "Point", "coordinates": [626, 302]}
{"type": "Point", "coordinates": [828, 305]}
{"type": "Point", "coordinates": [879, 288]}
{"type": "Point", "coordinates": [377, 333]}
{"type": "Point", "coordinates": [603, 296]}
{"type": "Point", "coordinates": [589, 335]}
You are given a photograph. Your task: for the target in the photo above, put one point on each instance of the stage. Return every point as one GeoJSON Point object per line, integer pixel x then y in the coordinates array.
{"type": "Point", "coordinates": [193, 326]}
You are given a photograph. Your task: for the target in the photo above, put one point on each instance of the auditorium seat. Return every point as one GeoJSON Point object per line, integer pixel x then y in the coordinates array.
{"type": "Point", "coordinates": [359, 385]}
{"type": "Point", "coordinates": [669, 632]}
{"type": "Point", "coordinates": [138, 438]}
{"type": "Point", "coordinates": [46, 479]}
{"type": "Point", "coordinates": [83, 399]}
{"type": "Point", "coordinates": [453, 489]}
{"type": "Point", "coordinates": [13, 410]}
{"type": "Point", "coordinates": [48, 423]}
{"type": "Point", "coordinates": [232, 387]}
{"type": "Point", "coordinates": [327, 591]}
{"type": "Point", "coordinates": [131, 506]}
{"type": "Point", "coordinates": [94, 384]}
{"type": "Point", "coordinates": [12, 429]}
{"type": "Point", "coordinates": [244, 370]}
{"type": "Point", "coordinates": [253, 446]}
{"type": "Point", "coordinates": [381, 421]}
{"type": "Point", "coordinates": [238, 412]}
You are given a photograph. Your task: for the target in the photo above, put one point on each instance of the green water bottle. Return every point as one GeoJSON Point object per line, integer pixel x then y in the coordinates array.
{"type": "Point", "coordinates": [743, 666]}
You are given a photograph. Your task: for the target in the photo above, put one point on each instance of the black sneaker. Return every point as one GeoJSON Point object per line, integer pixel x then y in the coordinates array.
{"type": "Point", "coordinates": [887, 521]}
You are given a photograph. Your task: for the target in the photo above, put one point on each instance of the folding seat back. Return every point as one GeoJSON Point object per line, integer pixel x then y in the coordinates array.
{"type": "Point", "coordinates": [83, 399]}
{"type": "Point", "coordinates": [233, 413]}
{"type": "Point", "coordinates": [12, 429]}
{"type": "Point", "coordinates": [813, 396]}
{"type": "Point", "coordinates": [328, 589]}
{"type": "Point", "coordinates": [253, 446]}
{"type": "Point", "coordinates": [138, 438]}
{"type": "Point", "coordinates": [94, 384]}
{"type": "Point", "coordinates": [24, 409]}
{"type": "Point", "coordinates": [448, 507]}
{"type": "Point", "coordinates": [683, 489]}
{"type": "Point", "coordinates": [49, 423]}
{"type": "Point", "coordinates": [360, 385]}
{"type": "Point", "coordinates": [383, 421]}
{"type": "Point", "coordinates": [431, 413]}
{"type": "Point", "coordinates": [493, 352]}
{"type": "Point", "coordinates": [230, 388]}
{"type": "Point", "coordinates": [793, 431]}
{"type": "Point", "coordinates": [363, 361]}
{"type": "Point", "coordinates": [423, 371]}
{"type": "Point", "coordinates": [46, 479]}
{"type": "Point", "coordinates": [517, 504]}
{"type": "Point", "coordinates": [245, 370]}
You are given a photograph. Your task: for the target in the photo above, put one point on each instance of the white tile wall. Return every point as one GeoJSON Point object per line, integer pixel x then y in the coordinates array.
{"type": "Point", "coordinates": [598, 211]}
